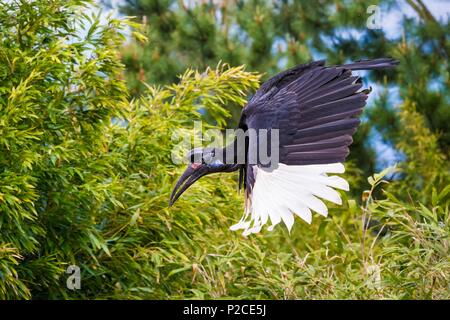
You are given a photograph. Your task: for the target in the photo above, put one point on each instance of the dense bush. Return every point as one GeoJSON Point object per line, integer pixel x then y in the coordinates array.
{"type": "Point", "coordinates": [85, 176]}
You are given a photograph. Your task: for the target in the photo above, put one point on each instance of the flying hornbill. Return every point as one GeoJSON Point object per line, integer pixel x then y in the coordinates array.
{"type": "Point", "coordinates": [315, 109]}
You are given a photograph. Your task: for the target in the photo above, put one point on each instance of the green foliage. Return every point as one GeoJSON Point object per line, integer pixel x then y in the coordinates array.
{"type": "Point", "coordinates": [415, 252]}
{"type": "Point", "coordinates": [428, 167]}
{"type": "Point", "coordinates": [85, 178]}
{"type": "Point", "coordinates": [257, 33]}
{"type": "Point", "coordinates": [58, 92]}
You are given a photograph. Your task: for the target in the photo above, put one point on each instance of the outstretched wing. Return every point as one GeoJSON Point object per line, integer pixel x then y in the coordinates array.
{"type": "Point", "coordinates": [316, 114]}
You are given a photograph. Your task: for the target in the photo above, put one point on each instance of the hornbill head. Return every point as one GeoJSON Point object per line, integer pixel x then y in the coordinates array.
{"type": "Point", "coordinates": [201, 162]}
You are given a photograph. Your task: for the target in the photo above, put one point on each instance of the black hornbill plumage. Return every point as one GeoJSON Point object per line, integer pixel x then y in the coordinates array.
{"type": "Point", "coordinates": [315, 109]}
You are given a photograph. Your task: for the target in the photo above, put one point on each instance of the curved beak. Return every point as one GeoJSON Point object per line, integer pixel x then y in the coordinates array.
{"type": "Point", "coordinates": [192, 174]}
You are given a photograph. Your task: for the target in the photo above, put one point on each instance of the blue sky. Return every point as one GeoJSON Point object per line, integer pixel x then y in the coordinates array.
{"type": "Point", "coordinates": [391, 19]}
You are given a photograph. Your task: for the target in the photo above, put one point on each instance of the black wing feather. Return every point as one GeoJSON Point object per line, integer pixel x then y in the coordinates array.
{"type": "Point", "coordinates": [315, 108]}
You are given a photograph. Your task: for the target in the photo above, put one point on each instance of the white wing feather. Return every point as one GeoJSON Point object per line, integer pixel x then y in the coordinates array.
{"type": "Point", "coordinates": [279, 194]}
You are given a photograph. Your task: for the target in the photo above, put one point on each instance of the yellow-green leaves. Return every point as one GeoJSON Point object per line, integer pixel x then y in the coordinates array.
{"type": "Point", "coordinates": [377, 178]}
{"type": "Point", "coordinates": [59, 89]}
{"type": "Point", "coordinates": [427, 166]}
{"type": "Point", "coordinates": [213, 89]}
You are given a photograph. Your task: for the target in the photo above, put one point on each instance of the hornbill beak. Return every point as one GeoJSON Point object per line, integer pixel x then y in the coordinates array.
{"type": "Point", "coordinates": [193, 172]}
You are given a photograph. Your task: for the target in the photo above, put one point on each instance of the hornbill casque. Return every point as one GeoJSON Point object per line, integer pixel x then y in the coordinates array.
{"type": "Point", "coordinates": [316, 110]}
